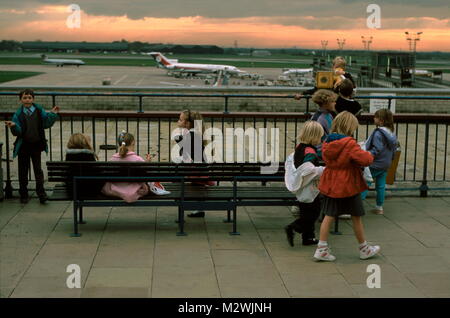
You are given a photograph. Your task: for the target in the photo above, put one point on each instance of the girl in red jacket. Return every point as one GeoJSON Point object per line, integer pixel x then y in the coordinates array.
{"type": "Point", "coordinates": [341, 183]}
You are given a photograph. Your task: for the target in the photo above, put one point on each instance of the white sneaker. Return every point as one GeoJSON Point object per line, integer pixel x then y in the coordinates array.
{"type": "Point", "coordinates": [157, 188]}
{"type": "Point", "coordinates": [295, 210]}
{"type": "Point", "coordinates": [323, 253]}
{"type": "Point", "coordinates": [378, 210]}
{"type": "Point", "coordinates": [367, 251]}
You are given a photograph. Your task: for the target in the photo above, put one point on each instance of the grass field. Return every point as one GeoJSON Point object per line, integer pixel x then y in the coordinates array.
{"type": "Point", "coordinates": [150, 62]}
{"type": "Point", "coordinates": [6, 76]}
{"type": "Point", "coordinates": [245, 61]}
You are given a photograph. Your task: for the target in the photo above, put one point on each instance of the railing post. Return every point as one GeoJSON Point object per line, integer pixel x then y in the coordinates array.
{"type": "Point", "coordinates": [140, 104]}
{"type": "Point", "coordinates": [8, 184]}
{"type": "Point", "coordinates": [389, 103]}
{"type": "Point", "coordinates": [226, 105]}
{"type": "Point", "coordinates": [53, 100]}
{"type": "Point", "coordinates": [307, 104]}
{"type": "Point", "coordinates": [424, 187]}
{"type": "Point", "coordinates": [93, 133]}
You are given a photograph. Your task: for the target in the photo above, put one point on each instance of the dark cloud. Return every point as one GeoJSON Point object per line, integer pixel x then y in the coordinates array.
{"type": "Point", "coordinates": [138, 9]}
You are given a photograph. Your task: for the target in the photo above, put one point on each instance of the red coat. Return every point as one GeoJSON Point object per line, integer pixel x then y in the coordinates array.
{"type": "Point", "coordinates": [342, 176]}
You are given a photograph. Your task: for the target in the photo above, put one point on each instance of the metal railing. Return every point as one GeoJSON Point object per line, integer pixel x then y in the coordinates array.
{"type": "Point", "coordinates": [225, 96]}
{"type": "Point", "coordinates": [424, 139]}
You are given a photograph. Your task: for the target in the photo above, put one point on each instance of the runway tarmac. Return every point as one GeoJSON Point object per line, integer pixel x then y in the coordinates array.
{"type": "Point", "coordinates": [137, 76]}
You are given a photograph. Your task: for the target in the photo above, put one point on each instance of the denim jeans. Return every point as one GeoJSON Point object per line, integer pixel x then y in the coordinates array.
{"type": "Point", "coordinates": [379, 176]}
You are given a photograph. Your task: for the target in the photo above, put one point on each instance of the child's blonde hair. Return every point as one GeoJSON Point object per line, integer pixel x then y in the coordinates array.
{"type": "Point", "coordinates": [385, 115]}
{"type": "Point", "coordinates": [79, 141]}
{"type": "Point", "coordinates": [125, 140]}
{"type": "Point", "coordinates": [339, 61]}
{"type": "Point", "coordinates": [324, 97]}
{"type": "Point", "coordinates": [311, 133]}
{"type": "Point", "coordinates": [345, 123]}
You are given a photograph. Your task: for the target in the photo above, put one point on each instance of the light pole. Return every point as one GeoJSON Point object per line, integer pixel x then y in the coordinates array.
{"type": "Point", "coordinates": [367, 43]}
{"type": "Point", "coordinates": [412, 39]}
{"type": "Point", "coordinates": [341, 44]}
{"type": "Point", "coordinates": [324, 47]}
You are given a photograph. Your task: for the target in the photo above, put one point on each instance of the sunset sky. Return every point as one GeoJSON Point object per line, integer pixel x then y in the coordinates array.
{"type": "Point", "coordinates": [252, 23]}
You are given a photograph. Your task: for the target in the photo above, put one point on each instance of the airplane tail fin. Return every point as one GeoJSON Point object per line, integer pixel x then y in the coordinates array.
{"type": "Point", "coordinates": [161, 59]}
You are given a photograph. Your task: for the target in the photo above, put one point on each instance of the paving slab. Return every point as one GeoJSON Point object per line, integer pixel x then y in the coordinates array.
{"type": "Point", "coordinates": [405, 248]}
{"type": "Point", "coordinates": [8, 211]}
{"type": "Point", "coordinates": [315, 285]}
{"type": "Point", "coordinates": [5, 292]}
{"type": "Point", "coordinates": [115, 292]}
{"type": "Point", "coordinates": [250, 281]}
{"type": "Point", "coordinates": [185, 281]}
{"type": "Point", "coordinates": [394, 290]}
{"type": "Point", "coordinates": [124, 255]}
{"type": "Point", "coordinates": [45, 287]}
{"type": "Point", "coordinates": [432, 284]}
{"type": "Point", "coordinates": [419, 264]}
{"type": "Point", "coordinates": [295, 264]}
{"type": "Point", "coordinates": [119, 277]}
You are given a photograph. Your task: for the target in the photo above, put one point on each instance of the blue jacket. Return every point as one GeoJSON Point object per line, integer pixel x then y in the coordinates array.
{"type": "Point", "coordinates": [382, 144]}
{"type": "Point", "coordinates": [47, 121]}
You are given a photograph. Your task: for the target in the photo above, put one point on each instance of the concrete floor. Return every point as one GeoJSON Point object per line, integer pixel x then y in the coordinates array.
{"type": "Point", "coordinates": [134, 252]}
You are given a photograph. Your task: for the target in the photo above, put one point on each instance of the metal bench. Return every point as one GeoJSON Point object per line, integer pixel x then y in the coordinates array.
{"type": "Point", "coordinates": [179, 179]}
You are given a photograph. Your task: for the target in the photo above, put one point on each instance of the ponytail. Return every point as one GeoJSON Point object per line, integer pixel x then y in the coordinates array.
{"type": "Point", "coordinates": [123, 150]}
{"type": "Point", "coordinates": [125, 140]}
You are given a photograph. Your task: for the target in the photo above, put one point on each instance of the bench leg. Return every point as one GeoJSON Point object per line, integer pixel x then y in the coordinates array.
{"type": "Point", "coordinates": [75, 221]}
{"type": "Point", "coordinates": [181, 222]}
{"type": "Point", "coordinates": [235, 232]}
{"type": "Point", "coordinates": [228, 219]}
{"type": "Point", "coordinates": [336, 226]}
{"type": "Point", "coordinates": [81, 216]}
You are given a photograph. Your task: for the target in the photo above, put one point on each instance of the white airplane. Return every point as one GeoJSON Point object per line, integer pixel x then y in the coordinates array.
{"type": "Point", "coordinates": [298, 71]}
{"type": "Point", "coordinates": [61, 62]}
{"type": "Point", "coordinates": [191, 68]}
{"type": "Point", "coordinates": [422, 73]}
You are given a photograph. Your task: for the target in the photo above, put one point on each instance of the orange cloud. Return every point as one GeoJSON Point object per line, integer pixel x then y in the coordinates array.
{"type": "Point", "coordinates": [48, 23]}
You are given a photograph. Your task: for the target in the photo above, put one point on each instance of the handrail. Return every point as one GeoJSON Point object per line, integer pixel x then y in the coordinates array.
{"type": "Point", "coordinates": [225, 96]}
{"type": "Point", "coordinates": [217, 95]}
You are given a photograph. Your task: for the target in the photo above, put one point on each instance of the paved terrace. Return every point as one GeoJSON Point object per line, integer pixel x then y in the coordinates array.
{"type": "Point", "coordinates": [134, 252]}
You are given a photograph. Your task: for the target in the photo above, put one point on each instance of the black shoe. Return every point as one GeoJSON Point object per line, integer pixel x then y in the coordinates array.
{"type": "Point", "coordinates": [310, 241]}
{"type": "Point", "coordinates": [24, 200]}
{"type": "Point", "coordinates": [289, 234]}
{"type": "Point", "coordinates": [43, 199]}
{"type": "Point", "coordinates": [200, 214]}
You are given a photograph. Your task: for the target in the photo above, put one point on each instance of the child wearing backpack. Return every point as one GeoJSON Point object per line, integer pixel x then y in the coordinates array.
{"type": "Point", "coordinates": [382, 144]}
{"type": "Point", "coordinates": [302, 173]}
{"type": "Point", "coordinates": [341, 184]}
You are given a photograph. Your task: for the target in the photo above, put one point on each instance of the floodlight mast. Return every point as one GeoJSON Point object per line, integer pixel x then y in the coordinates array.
{"type": "Point", "coordinates": [412, 39]}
